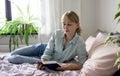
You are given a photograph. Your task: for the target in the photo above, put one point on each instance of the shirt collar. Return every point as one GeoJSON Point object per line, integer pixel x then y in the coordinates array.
{"type": "Point", "coordinates": [74, 40]}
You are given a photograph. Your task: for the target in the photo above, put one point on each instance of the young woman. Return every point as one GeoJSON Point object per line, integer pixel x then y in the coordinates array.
{"type": "Point", "coordinates": [63, 47]}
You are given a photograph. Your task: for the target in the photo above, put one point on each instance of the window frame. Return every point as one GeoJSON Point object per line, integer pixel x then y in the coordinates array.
{"type": "Point", "coordinates": [8, 10]}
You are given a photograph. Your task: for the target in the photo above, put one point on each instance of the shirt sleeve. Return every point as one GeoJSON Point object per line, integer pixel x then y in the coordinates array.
{"type": "Point", "coordinates": [82, 53]}
{"type": "Point", "coordinates": [49, 49]}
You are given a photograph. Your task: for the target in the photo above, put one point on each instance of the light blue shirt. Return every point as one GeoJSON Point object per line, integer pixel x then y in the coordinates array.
{"type": "Point", "coordinates": [75, 47]}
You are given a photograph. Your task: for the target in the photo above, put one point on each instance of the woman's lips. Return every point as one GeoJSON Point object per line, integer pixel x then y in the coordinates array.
{"type": "Point", "coordinates": [66, 30]}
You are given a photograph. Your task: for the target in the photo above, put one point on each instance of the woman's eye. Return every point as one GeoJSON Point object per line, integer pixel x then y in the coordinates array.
{"type": "Point", "coordinates": [69, 24]}
{"type": "Point", "coordinates": [64, 24]}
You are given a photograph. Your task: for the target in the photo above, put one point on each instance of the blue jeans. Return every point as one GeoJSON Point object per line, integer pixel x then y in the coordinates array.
{"type": "Point", "coordinates": [29, 54]}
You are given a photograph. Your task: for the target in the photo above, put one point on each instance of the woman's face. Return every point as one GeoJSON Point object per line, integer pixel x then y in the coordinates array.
{"type": "Point", "coordinates": [69, 27]}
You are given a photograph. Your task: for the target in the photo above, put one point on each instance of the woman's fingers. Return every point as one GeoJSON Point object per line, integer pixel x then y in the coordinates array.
{"type": "Point", "coordinates": [63, 67]}
{"type": "Point", "coordinates": [40, 67]}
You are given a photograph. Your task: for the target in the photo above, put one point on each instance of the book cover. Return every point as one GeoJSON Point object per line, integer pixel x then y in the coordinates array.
{"type": "Point", "coordinates": [50, 64]}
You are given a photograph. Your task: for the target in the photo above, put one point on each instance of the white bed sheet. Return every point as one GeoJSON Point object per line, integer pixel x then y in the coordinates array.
{"type": "Point", "coordinates": [8, 69]}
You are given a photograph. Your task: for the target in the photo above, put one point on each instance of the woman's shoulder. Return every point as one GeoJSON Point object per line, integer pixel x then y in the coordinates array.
{"type": "Point", "coordinates": [80, 40]}
{"type": "Point", "coordinates": [59, 31]}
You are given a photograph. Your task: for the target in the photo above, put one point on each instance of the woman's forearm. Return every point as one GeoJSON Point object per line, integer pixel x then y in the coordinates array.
{"type": "Point", "coordinates": [72, 66]}
{"type": "Point", "coordinates": [69, 66]}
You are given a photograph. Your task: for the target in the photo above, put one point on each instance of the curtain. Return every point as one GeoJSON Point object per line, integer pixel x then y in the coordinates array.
{"type": "Point", "coordinates": [51, 12]}
{"type": "Point", "coordinates": [49, 16]}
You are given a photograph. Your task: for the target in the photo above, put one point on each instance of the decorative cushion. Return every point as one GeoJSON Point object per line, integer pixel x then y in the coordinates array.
{"type": "Point", "coordinates": [89, 42]}
{"type": "Point", "coordinates": [100, 38]}
{"type": "Point", "coordinates": [101, 59]}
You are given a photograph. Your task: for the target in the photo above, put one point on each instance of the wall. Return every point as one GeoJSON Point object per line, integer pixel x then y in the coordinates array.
{"type": "Point", "coordinates": [4, 42]}
{"type": "Point", "coordinates": [98, 14]}
{"type": "Point", "coordinates": [74, 5]}
{"type": "Point", "coordinates": [105, 11]}
{"type": "Point", "coordinates": [88, 17]}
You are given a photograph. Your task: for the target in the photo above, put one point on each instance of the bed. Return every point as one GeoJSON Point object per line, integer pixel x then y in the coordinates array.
{"type": "Point", "coordinates": [25, 69]}
{"type": "Point", "coordinates": [100, 62]}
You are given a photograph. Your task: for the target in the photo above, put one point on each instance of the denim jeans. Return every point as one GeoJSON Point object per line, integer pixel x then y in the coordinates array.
{"type": "Point", "coordinates": [29, 54]}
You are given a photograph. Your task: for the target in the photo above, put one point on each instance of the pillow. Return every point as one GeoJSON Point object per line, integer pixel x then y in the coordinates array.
{"type": "Point", "coordinates": [100, 38]}
{"type": "Point", "coordinates": [89, 42]}
{"type": "Point", "coordinates": [102, 59]}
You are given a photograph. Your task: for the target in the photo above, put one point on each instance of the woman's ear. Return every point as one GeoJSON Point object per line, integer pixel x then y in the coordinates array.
{"type": "Point", "coordinates": [78, 25]}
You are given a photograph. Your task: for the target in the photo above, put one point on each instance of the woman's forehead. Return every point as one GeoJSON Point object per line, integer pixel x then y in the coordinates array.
{"type": "Point", "coordinates": [66, 19]}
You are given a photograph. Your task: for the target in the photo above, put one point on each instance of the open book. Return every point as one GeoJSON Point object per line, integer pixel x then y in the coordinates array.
{"type": "Point", "coordinates": [50, 64]}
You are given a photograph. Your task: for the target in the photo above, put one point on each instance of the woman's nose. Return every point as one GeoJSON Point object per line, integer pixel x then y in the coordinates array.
{"type": "Point", "coordinates": [66, 26]}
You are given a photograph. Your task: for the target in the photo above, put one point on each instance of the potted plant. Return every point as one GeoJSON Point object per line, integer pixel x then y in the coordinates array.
{"type": "Point", "coordinates": [20, 28]}
{"type": "Point", "coordinates": [115, 37]}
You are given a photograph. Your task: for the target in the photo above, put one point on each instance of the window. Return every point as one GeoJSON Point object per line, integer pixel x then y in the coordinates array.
{"type": "Point", "coordinates": [48, 11]}
{"type": "Point", "coordinates": [2, 12]}
{"type": "Point", "coordinates": [44, 9]}
{"type": "Point", "coordinates": [33, 5]}
{"type": "Point", "coordinates": [2, 8]}
{"type": "Point", "coordinates": [25, 13]}
{"type": "Point", "coordinates": [9, 11]}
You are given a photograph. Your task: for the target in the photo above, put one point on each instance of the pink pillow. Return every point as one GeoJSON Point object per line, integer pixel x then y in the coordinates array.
{"type": "Point", "coordinates": [89, 42]}
{"type": "Point", "coordinates": [100, 39]}
{"type": "Point", "coordinates": [102, 59]}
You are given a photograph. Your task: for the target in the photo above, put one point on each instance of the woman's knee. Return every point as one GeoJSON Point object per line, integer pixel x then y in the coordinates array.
{"type": "Point", "coordinates": [22, 50]}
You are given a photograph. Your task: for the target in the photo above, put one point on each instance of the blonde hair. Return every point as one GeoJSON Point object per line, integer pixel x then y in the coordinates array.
{"type": "Point", "coordinates": [74, 18]}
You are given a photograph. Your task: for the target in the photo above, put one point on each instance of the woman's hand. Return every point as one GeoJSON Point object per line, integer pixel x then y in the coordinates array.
{"type": "Point", "coordinates": [40, 66]}
{"type": "Point", "coordinates": [69, 66]}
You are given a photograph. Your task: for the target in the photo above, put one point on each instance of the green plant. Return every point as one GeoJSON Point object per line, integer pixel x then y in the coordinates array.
{"type": "Point", "coordinates": [117, 62]}
{"type": "Point", "coordinates": [21, 28]}
{"type": "Point", "coordinates": [115, 37]}
{"type": "Point", "coordinates": [117, 15]}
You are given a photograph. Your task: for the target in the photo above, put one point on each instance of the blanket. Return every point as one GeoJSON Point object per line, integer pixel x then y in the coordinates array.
{"type": "Point", "coordinates": [26, 69]}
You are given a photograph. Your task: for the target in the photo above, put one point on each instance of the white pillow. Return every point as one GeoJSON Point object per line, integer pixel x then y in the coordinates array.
{"type": "Point", "coordinates": [102, 58]}
{"type": "Point", "coordinates": [99, 40]}
{"type": "Point", "coordinates": [89, 42]}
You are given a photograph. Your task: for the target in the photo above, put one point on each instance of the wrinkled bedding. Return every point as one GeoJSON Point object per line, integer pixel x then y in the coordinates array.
{"type": "Point", "coordinates": [8, 69]}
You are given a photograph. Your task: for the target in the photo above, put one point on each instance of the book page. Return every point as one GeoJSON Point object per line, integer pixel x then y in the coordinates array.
{"type": "Point", "coordinates": [50, 62]}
